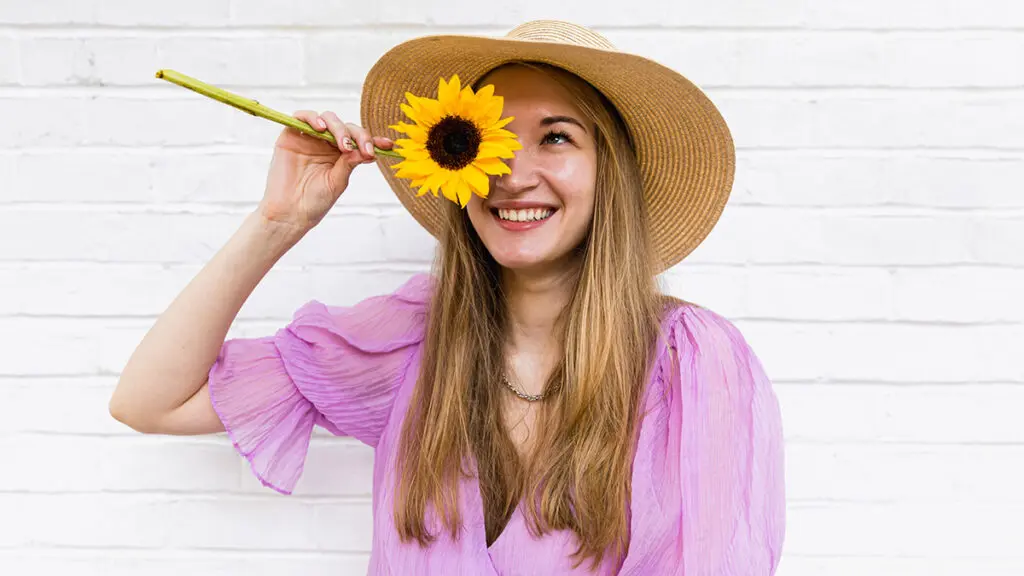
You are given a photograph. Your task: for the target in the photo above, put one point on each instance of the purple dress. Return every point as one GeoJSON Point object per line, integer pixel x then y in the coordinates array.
{"type": "Point", "coordinates": [707, 487]}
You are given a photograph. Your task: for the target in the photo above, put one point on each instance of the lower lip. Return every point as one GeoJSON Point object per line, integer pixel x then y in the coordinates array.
{"type": "Point", "coordinates": [515, 226]}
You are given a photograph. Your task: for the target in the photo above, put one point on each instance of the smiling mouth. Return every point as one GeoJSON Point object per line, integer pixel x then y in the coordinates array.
{"type": "Point", "coordinates": [524, 215]}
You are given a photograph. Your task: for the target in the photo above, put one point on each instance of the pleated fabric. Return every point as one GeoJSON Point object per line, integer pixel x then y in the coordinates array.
{"type": "Point", "coordinates": [708, 491]}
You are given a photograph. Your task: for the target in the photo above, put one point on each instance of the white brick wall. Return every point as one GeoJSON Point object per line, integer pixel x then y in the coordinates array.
{"type": "Point", "coordinates": [873, 253]}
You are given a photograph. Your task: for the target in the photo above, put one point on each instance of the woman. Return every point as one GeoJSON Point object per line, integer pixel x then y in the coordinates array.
{"type": "Point", "coordinates": [536, 406]}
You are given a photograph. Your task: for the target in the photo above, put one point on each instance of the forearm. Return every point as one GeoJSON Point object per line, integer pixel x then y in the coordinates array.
{"type": "Point", "coordinates": [172, 362]}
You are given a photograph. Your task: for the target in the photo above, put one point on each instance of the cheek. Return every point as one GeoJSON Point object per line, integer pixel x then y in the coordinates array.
{"type": "Point", "coordinates": [478, 215]}
{"type": "Point", "coordinates": [577, 182]}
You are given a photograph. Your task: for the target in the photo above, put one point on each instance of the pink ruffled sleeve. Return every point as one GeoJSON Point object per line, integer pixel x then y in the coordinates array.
{"type": "Point", "coordinates": [336, 367]}
{"type": "Point", "coordinates": [726, 419]}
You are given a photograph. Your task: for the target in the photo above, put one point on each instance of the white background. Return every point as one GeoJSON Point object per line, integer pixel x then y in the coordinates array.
{"type": "Point", "coordinates": [872, 252]}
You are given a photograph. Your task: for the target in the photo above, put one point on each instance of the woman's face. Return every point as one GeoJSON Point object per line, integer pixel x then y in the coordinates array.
{"type": "Point", "coordinates": [534, 217]}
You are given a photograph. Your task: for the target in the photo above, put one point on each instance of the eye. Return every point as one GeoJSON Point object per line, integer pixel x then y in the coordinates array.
{"type": "Point", "coordinates": [556, 137]}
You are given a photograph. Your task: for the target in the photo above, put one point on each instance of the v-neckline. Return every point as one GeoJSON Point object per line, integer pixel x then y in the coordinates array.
{"type": "Point", "coordinates": [504, 530]}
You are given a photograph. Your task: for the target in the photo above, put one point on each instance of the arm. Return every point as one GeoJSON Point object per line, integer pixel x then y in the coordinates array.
{"type": "Point", "coordinates": [163, 389]}
{"type": "Point", "coordinates": [732, 462]}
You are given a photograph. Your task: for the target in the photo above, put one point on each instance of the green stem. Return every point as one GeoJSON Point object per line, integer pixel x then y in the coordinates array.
{"type": "Point", "coordinates": [253, 107]}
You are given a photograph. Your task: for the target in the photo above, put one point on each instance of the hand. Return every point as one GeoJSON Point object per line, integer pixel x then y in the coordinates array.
{"type": "Point", "coordinates": [307, 175]}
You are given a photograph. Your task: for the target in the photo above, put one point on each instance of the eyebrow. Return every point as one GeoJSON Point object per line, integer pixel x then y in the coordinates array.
{"type": "Point", "coordinates": [556, 119]}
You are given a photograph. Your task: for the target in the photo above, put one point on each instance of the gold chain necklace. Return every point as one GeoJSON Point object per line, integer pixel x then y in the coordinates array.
{"type": "Point", "coordinates": [520, 393]}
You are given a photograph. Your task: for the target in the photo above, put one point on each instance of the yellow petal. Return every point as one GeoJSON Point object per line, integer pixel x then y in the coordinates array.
{"type": "Point", "coordinates": [491, 110]}
{"type": "Point", "coordinates": [416, 169]}
{"type": "Point", "coordinates": [436, 180]}
{"type": "Point", "coordinates": [448, 92]}
{"type": "Point", "coordinates": [495, 150]}
{"type": "Point", "coordinates": [413, 154]}
{"type": "Point", "coordinates": [501, 123]}
{"type": "Point", "coordinates": [463, 192]}
{"type": "Point", "coordinates": [498, 135]}
{"type": "Point", "coordinates": [492, 166]}
{"type": "Point", "coordinates": [486, 92]}
{"type": "Point", "coordinates": [477, 180]}
{"type": "Point", "coordinates": [467, 101]}
{"type": "Point", "coordinates": [431, 112]}
{"type": "Point", "coordinates": [410, 112]}
{"type": "Point", "coordinates": [410, 144]}
{"type": "Point", "coordinates": [415, 132]}
{"type": "Point", "coordinates": [449, 191]}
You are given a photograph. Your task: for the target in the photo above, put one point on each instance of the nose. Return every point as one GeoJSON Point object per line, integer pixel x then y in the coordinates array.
{"type": "Point", "coordinates": [524, 175]}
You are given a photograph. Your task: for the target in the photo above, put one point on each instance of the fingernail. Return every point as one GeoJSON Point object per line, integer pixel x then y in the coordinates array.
{"type": "Point", "coordinates": [348, 144]}
{"type": "Point", "coordinates": [320, 122]}
{"type": "Point", "coordinates": [368, 146]}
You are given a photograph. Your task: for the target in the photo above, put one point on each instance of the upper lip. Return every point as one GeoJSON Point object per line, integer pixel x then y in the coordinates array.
{"type": "Point", "coordinates": [518, 205]}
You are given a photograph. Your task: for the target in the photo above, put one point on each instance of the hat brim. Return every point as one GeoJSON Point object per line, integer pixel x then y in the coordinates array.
{"type": "Point", "coordinates": [685, 149]}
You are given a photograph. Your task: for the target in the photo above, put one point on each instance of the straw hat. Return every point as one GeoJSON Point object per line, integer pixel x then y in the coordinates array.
{"type": "Point", "coordinates": [685, 149]}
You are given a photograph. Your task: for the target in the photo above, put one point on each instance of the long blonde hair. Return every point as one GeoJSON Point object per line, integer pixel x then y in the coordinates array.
{"type": "Point", "coordinates": [578, 477]}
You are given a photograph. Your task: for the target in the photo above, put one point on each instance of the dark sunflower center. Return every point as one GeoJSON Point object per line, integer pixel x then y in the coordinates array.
{"type": "Point", "coordinates": [453, 142]}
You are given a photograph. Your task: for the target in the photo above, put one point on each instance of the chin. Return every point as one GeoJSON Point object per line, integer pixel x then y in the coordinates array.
{"type": "Point", "coordinates": [531, 261]}
{"type": "Point", "coordinates": [520, 261]}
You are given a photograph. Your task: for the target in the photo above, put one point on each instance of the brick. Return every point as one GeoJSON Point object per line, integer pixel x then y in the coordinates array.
{"type": "Point", "coordinates": [128, 562]}
{"type": "Point", "coordinates": [758, 120]}
{"type": "Point", "coordinates": [191, 13]}
{"type": "Point", "coordinates": [54, 12]}
{"type": "Point", "coordinates": [893, 529]}
{"type": "Point", "coordinates": [895, 566]}
{"type": "Point", "coordinates": [892, 120]}
{"type": "Point", "coordinates": [131, 463]}
{"type": "Point", "coordinates": [904, 474]}
{"type": "Point", "coordinates": [161, 176]}
{"type": "Point", "coordinates": [824, 292]}
{"type": "Point", "coordinates": [112, 177]}
{"type": "Point", "coordinates": [66, 405]}
{"type": "Point", "coordinates": [724, 289]}
{"type": "Point", "coordinates": [83, 290]}
{"type": "Point", "coordinates": [361, 50]}
{"type": "Point", "coordinates": [132, 121]}
{"type": "Point", "coordinates": [881, 414]}
{"type": "Point", "coordinates": [10, 72]}
{"type": "Point", "coordinates": [968, 294]}
{"type": "Point", "coordinates": [185, 521]}
{"type": "Point", "coordinates": [844, 178]}
{"type": "Point", "coordinates": [820, 294]}
{"type": "Point", "coordinates": [731, 13]}
{"type": "Point", "coordinates": [133, 61]}
{"type": "Point", "coordinates": [998, 240]}
{"type": "Point", "coordinates": [887, 352]}
{"type": "Point", "coordinates": [766, 235]}
{"type": "Point", "coordinates": [785, 59]}
{"type": "Point", "coordinates": [925, 14]}
{"type": "Point", "coordinates": [828, 58]}
{"type": "Point", "coordinates": [322, 13]}
{"type": "Point", "coordinates": [193, 238]}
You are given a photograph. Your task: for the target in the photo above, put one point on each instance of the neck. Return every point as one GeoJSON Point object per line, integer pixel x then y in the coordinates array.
{"type": "Point", "coordinates": [534, 301]}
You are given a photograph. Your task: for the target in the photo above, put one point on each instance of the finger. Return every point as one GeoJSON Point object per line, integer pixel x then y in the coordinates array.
{"type": "Point", "coordinates": [340, 131]}
{"type": "Point", "coordinates": [383, 143]}
{"type": "Point", "coordinates": [312, 118]}
{"type": "Point", "coordinates": [363, 139]}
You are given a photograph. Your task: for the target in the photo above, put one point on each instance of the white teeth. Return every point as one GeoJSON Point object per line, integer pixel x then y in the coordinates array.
{"type": "Point", "coordinates": [527, 215]}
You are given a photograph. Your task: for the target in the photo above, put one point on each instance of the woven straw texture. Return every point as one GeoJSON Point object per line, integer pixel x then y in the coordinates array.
{"type": "Point", "coordinates": [685, 149]}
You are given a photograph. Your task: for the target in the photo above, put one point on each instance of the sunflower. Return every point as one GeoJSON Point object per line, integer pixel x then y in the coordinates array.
{"type": "Point", "coordinates": [455, 141]}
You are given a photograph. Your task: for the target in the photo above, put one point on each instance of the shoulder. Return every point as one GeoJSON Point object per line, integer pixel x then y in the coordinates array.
{"type": "Point", "coordinates": [379, 323]}
{"type": "Point", "coordinates": [704, 353]}
{"type": "Point", "coordinates": [725, 432]}
{"type": "Point", "coordinates": [699, 327]}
